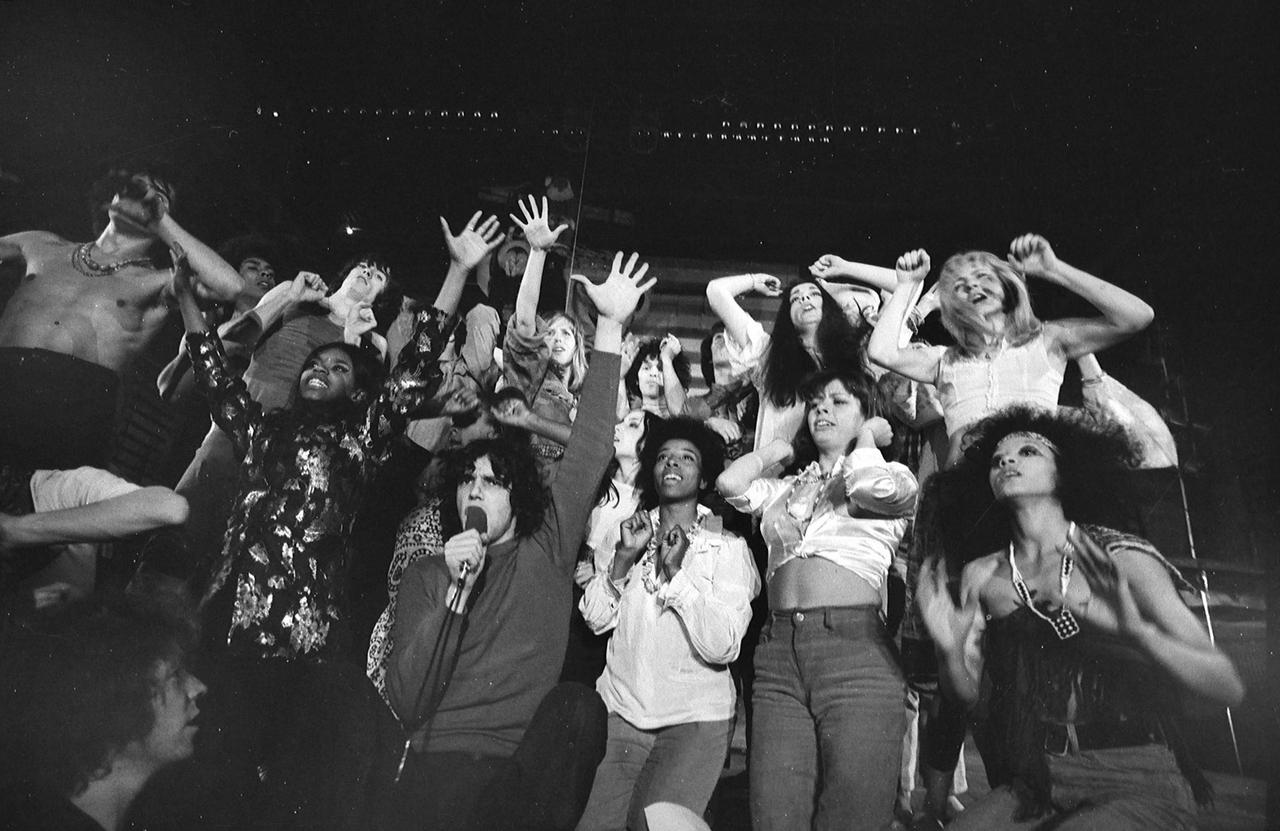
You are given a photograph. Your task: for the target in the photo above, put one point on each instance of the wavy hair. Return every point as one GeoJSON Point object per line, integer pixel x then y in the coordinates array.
{"type": "Point", "coordinates": [652, 348]}
{"type": "Point", "coordinates": [787, 364]}
{"type": "Point", "coordinates": [386, 306]}
{"type": "Point", "coordinates": [970, 330]}
{"type": "Point", "coordinates": [79, 681]}
{"type": "Point", "coordinates": [959, 515]}
{"type": "Point", "coordinates": [514, 466]}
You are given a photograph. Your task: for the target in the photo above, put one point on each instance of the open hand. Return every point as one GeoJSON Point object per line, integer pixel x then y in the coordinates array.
{"type": "Point", "coordinates": [537, 232]}
{"type": "Point", "coordinates": [617, 297]}
{"type": "Point", "coordinates": [478, 238]}
{"type": "Point", "coordinates": [950, 626]}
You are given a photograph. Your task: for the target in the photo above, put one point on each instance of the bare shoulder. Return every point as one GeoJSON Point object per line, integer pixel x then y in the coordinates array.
{"type": "Point", "coordinates": [979, 573]}
{"type": "Point", "coordinates": [29, 243]}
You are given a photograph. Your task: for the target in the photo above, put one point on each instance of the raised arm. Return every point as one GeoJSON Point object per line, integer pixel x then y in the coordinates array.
{"type": "Point", "coordinates": [722, 295]}
{"type": "Point", "coordinates": [1123, 314]}
{"type": "Point", "coordinates": [230, 404]}
{"type": "Point", "coordinates": [886, 345]}
{"type": "Point", "coordinates": [876, 276]}
{"type": "Point", "coordinates": [735, 479]}
{"type": "Point", "coordinates": [466, 250]}
{"type": "Point", "coordinates": [590, 445]}
{"type": "Point", "coordinates": [540, 237]}
{"type": "Point", "coordinates": [672, 388]}
{"type": "Point", "coordinates": [217, 279]}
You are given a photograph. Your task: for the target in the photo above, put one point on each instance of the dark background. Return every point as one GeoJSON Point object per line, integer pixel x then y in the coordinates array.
{"type": "Point", "coordinates": [1139, 141]}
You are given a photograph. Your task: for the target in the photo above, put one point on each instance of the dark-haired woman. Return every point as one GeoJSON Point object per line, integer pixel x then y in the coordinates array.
{"type": "Point", "coordinates": [657, 378]}
{"type": "Point", "coordinates": [1079, 628]}
{"type": "Point", "coordinates": [828, 693]}
{"type": "Point", "coordinates": [809, 333]}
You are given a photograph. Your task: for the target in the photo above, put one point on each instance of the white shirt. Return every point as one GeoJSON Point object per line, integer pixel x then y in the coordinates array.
{"type": "Point", "coordinates": [746, 359]}
{"type": "Point", "coordinates": [883, 495]}
{"type": "Point", "coordinates": [666, 662]}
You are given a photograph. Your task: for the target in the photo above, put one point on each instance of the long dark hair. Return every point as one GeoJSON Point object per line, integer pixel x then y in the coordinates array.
{"type": "Point", "coordinates": [787, 364]}
{"type": "Point", "coordinates": [652, 348]}
{"type": "Point", "coordinates": [608, 492]}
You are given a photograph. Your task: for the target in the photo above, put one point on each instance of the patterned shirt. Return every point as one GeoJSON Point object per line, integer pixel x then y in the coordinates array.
{"type": "Point", "coordinates": [301, 478]}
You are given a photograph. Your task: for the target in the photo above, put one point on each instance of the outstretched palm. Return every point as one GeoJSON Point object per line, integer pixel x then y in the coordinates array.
{"type": "Point", "coordinates": [617, 297]}
{"type": "Point", "coordinates": [537, 231]}
{"type": "Point", "coordinates": [478, 238]}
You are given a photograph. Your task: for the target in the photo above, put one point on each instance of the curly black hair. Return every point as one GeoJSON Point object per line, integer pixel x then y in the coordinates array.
{"type": "Point", "coordinates": [652, 348]}
{"type": "Point", "coordinates": [787, 364]}
{"type": "Point", "coordinates": [366, 369]}
{"type": "Point", "coordinates": [959, 515]}
{"type": "Point", "coordinates": [79, 682]}
{"type": "Point", "coordinates": [709, 446]}
{"type": "Point", "coordinates": [238, 249]}
{"type": "Point", "coordinates": [514, 465]}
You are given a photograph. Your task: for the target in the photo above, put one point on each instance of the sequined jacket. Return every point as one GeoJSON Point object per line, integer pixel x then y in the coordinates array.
{"type": "Point", "coordinates": [299, 487]}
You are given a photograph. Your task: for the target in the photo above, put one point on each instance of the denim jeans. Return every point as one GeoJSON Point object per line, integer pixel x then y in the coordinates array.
{"type": "Point", "coordinates": [679, 764]}
{"type": "Point", "coordinates": [1098, 790]}
{"type": "Point", "coordinates": [827, 735]}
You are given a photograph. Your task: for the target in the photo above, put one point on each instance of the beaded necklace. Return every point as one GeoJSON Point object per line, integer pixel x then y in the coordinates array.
{"type": "Point", "coordinates": [805, 490]}
{"type": "Point", "coordinates": [648, 564]}
{"type": "Point", "coordinates": [83, 262]}
{"type": "Point", "coordinates": [1063, 622]}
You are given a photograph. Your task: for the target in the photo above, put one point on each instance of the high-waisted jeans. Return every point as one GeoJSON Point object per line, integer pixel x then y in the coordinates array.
{"type": "Point", "coordinates": [827, 734]}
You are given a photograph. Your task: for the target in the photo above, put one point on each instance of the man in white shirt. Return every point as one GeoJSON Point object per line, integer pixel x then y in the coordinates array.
{"type": "Point", "coordinates": [678, 597]}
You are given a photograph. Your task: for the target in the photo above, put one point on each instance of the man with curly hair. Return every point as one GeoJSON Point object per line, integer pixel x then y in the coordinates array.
{"type": "Point", "coordinates": [98, 699]}
{"type": "Point", "coordinates": [480, 633]}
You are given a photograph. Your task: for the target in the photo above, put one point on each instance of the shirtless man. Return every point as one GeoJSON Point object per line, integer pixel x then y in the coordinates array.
{"type": "Point", "coordinates": [81, 314]}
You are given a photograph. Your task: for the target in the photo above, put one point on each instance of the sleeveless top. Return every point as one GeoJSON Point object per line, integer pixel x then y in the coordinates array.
{"type": "Point", "coordinates": [973, 388]}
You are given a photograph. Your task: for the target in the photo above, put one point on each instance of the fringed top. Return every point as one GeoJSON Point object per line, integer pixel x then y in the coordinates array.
{"type": "Point", "coordinates": [1038, 679]}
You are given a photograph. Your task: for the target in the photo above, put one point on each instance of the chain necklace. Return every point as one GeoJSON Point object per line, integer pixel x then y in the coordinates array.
{"type": "Point", "coordinates": [805, 491]}
{"type": "Point", "coordinates": [83, 262]}
{"type": "Point", "coordinates": [1063, 622]}
{"type": "Point", "coordinates": [648, 565]}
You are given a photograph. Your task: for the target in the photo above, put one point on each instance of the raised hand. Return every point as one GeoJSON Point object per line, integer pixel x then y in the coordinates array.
{"type": "Point", "coordinates": [670, 347]}
{"type": "Point", "coordinates": [511, 412]}
{"type": "Point", "coordinates": [881, 432]}
{"type": "Point", "coordinates": [617, 297]}
{"type": "Point", "coordinates": [671, 550]}
{"type": "Point", "coordinates": [767, 285]}
{"type": "Point", "coordinates": [634, 535]}
{"type": "Point", "coordinates": [828, 265]}
{"type": "Point", "coordinates": [462, 400]}
{"type": "Point", "coordinates": [307, 287]}
{"type": "Point", "coordinates": [359, 320]}
{"type": "Point", "coordinates": [478, 238]}
{"type": "Point", "coordinates": [182, 272]}
{"type": "Point", "coordinates": [146, 211]}
{"type": "Point", "coordinates": [536, 230]}
{"type": "Point", "coordinates": [1032, 255]}
{"type": "Point", "coordinates": [912, 267]}
{"type": "Point", "coordinates": [630, 348]}
{"type": "Point", "coordinates": [727, 430]}
{"type": "Point", "coordinates": [1106, 583]}
{"type": "Point", "coordinates": [950, 626]}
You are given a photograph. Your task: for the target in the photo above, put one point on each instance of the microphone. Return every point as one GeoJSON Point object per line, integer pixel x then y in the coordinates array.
{"type": "Point", "coordinates": [474, 518]}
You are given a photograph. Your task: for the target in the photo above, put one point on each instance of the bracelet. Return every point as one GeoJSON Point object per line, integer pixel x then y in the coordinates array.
{"type": "Point", "coordinates": [1092, 382]}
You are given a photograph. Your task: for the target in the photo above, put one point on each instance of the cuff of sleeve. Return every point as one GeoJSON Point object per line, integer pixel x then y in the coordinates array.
{"type": "Point", "coordinates": [863, 458]}
{"type": "Point", "coordinates": [678, 592]}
